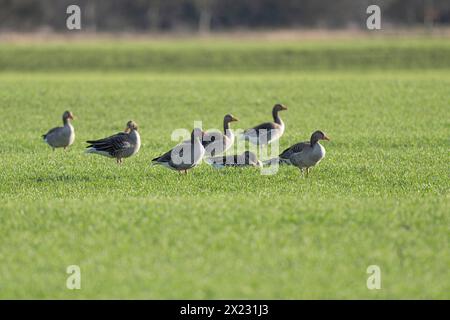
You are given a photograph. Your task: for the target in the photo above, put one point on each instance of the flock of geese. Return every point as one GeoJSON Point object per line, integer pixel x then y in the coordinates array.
{"type": "Point", "coordinates": [189, 153]}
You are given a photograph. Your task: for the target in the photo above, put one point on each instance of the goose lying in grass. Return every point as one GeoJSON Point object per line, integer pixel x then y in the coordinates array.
{"type": "Point", "coordinates": [267, 132]}
{"type": "Point", "coordinates": [61, 137]}
{"type": "Point", "coordinates": [245, 159]}
{"type": "Point", "coordinates": [119, 146]}
{"type": "Point", "coordinates": [216, 142]}
{"type": "Point", "coordinates": [184, 156]}
{"type": "Point", "coordinates": [303, 155]}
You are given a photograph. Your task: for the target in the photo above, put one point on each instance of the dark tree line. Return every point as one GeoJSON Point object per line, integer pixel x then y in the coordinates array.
{"type": "Point", "coordinates": [212, 15]}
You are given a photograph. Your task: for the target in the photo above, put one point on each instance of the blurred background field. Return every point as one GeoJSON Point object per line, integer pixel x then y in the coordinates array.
{"type": "Point", "coordinates": [381, 196]}
{"type": "Point", "coordinates": [204, 16]}
{"type": "Point", "coordinates": [210, 55]}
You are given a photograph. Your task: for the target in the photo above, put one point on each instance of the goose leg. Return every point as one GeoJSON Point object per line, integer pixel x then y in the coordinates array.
{"type": "Point", "coordinates": [307, 172]}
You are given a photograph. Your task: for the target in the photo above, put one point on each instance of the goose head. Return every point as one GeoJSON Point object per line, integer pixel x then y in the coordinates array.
{"type": "Point", "coordinates": [67, 115]}
{"type": "Point", "coordinates": [318, 135]}
{"type": "Point", "coordinates": [131, 126]}
{"type": "Point", "coordinates": [278, 107]}
{"type": "Point", "coordinates": [229, 118]}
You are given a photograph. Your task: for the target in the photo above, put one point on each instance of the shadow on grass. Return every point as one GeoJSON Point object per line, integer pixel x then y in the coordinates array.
{"type": "Point", "coordinates": [74, 178]}
{"type": "Point", "coordinates": [61, 178]}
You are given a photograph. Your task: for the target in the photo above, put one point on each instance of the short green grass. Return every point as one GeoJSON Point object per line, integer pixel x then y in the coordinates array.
{"type": "Point", "coordinates": [381, 196]}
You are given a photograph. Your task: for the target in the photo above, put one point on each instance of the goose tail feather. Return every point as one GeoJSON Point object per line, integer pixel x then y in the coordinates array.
{"type": "Point", "coordinates": [90, 149]}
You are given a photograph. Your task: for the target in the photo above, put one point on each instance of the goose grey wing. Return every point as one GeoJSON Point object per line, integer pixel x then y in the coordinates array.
{"type": "Point", "coordinates": [178, 150]}
{"type": "Point", "coordinates": [263, 126]}
{"type": "Point", "coordinates": [112, 144]}
{"type": "Point", "coordinates": [51, 131]}
{"type": "Point", "coordinates": [298, 147]}
{"type": "Point", "coordinates": [107, 139]}
{"type": "Point", "coordinates": [166, 157]}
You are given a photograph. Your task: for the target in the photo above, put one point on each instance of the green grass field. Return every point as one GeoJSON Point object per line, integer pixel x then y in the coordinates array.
{"type": "Point", "coordinates": [380, 197]}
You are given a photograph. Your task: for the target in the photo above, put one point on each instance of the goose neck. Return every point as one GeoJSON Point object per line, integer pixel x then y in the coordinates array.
{"type": "Point", "coordinates": [276, 117]}
{"type": "Point", "coordinates": [227, 131]}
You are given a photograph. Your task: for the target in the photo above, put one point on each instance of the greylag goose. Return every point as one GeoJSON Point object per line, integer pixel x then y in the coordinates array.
{"type": "Point", "coordinates": [303, 155]}
{"type": "Point", "coordinates": [247, 158]}
{"type": "Point", "coordinates": [267, 132]}
{"type": "Point", "coordinates": [61, 137]}
{"type": "Point", "coordinates": [216, 142]}
{"type": "Point", "coordinates": [184, 156]}
{"type": "Point", "coordinates": [119, 146]}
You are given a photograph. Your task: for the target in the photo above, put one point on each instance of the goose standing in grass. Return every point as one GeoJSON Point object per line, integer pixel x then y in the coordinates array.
{"type": "Point", "coordinates": [303, 155]}
{"type": "Point", "coordinates": [267, 132]}
{"type": "Point", "coordinates": [184, 156]}
{"type": "Point", "coordinates": [61, 137]}
{"type": "Point", "coordinates": [216, 142]}
{"type": "Point", "coordinates": [119, 146]}
{"type": "Point", "coordinates": [245, 159]}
